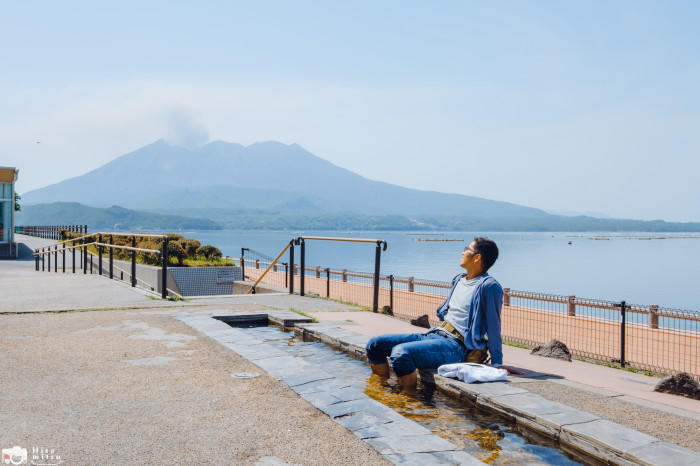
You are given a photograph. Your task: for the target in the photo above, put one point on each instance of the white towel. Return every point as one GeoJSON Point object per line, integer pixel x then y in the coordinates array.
{"type": "Point", "coordinates": [471, 372]}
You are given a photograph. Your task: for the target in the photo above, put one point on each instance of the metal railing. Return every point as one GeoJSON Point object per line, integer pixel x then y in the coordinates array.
{"type": "Point", "coordinates": [101, 242]}
{"type": "Point", "coordinates": [292, 269]}
{"type": "Point", "coordinates": [653, 338]}
{"type": "Point", "coordinates": [49, 231]}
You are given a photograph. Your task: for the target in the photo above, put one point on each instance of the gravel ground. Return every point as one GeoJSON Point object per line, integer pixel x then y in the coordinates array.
{"type": "Point", "coordinates": [665, 426]}
{"type": "Point", "coordinates": [139, 387]}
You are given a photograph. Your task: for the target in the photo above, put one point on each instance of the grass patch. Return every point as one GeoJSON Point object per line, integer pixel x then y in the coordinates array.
{"type": "Point", "coordinates": [201, 262]}
{"type": "Point", "coordinates": [302, 313]}
{"type": "Point", "coordinates": [169, 298]}
{"type": "Point", "coordinates": [516, 345]}
{"type": "Point", "coordinates": [616, 365]}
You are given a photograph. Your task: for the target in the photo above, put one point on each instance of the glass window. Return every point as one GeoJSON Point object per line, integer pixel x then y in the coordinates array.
{"type": "Point", "coordinates": [5, 190]}
{"type": "Point", "coordinates": [5, 217]}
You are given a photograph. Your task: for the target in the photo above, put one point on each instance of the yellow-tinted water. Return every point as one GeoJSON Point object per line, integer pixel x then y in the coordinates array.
{"type": "Point", "coordinates": [482, 434]}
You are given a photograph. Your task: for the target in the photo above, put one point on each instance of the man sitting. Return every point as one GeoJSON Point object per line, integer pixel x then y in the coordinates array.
{"type": "Point", "coordinates": [471, 312]}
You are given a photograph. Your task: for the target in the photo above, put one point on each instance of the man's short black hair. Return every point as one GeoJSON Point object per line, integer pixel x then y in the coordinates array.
{"type": "Point", "coordinates": [488, 251]}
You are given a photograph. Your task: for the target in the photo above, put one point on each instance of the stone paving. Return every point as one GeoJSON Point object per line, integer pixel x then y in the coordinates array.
{"type": "Point", "coordinates": [400, 440]}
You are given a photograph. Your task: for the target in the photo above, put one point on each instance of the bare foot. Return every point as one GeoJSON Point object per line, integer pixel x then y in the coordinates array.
{"type": "Point", "coordinates": [512, 370]}
{"type": "Point", "coordinates": [381, 370]}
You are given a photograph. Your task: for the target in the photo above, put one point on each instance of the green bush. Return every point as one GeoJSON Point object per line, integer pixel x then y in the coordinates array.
{"type": "Point", "coordinates": [190, 246]}
{"type": "Point", "coordinates": [209, 251]}
{"type": "Point", "coordinates": [177, 251]}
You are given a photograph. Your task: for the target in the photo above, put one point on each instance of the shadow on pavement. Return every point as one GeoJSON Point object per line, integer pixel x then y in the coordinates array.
{"type": "Point", "coordinates": [25, 252]}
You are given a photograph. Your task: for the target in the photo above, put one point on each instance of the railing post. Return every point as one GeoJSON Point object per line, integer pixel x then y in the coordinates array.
{"type": "Point", "coordinates": [243, 250]}
{"type": "Point", "coordinates": [391, 293]}
{"type": "Point", "coordinates": [36, 259]}
{"type": "Point", "coordinates": [164, 291]}
{"type": "Point", "coordinates": [345, 275]}
{"type": "Point", "coordinates": [55, 259]}
{"type": "Point", "coordinates": [99, 251]}
{"type": "Point", "coordinates": [73, 254]}
{"type": "Point", "coordinates": [91, 257]}
{"type": "Point", "coordinates": [64, 257]}
{"type": "Point", "coordinates": [48, 254]}
{"type": "Point", "coordinates": [328, 282]}
{"type": "Point", "coordinates": [506, 296]}
{"type": "Point", "coordinates": [654, 316]}
{"type": "Point", "coordinates": [302, 264]}
{"type": "Point", "coordinates": [571, 305]}
{"type": "Point", "coordinates": [111, 257]}
{"type": "Point", "coordinates": [286, 275]}
{"type": "Point", "coordinates": [622, 334]}
{"type": "Point", "coordinates": [410, 284]}
{"type": "Point", "coordinates": [84, 258]}
{"type": "Point", "coordinates": [291, 267]}
{"type": "Point", "coordinates": [377, 259]}
{"type": "Point", "coordinates": [133, 262]}
{"type": "Point", "coordinates": [257, 263]}
{"type": "Point", "coordinates": [318, 271]}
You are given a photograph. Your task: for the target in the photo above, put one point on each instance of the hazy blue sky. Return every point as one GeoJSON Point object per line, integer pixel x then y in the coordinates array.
{"type": "Point", "coordinates": [566, 106]}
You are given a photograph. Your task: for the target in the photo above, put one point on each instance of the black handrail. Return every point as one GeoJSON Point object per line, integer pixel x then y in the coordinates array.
{"type": "Point", "coordinates": [81, 244]}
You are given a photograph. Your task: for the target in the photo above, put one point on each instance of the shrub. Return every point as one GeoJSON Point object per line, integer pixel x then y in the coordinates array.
{"type": "Point", "coordinates": [209, 251]}
{"type": "Point", "coordinates": [191, 246]}
{"type": "Point", "coordinates": [175, 250]}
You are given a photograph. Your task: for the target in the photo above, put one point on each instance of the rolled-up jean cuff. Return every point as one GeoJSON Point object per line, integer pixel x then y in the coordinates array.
{"type": "Point", "coordinates": [375, 360]}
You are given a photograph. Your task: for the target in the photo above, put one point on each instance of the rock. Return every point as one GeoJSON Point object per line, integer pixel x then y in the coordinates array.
{"type": "Point", "coordinates": [387, 310]}
{"type": "Point", "coordinates": [680, 384]}
{"type": "Point", "coordinates": [553, 349]}
{"type": "Point", "coordinates": [421, 321]}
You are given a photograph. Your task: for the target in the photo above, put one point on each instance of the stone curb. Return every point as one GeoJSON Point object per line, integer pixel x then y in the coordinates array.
{"type": "Point", "coordinates": [398, 439]}
{"type": "Point", "coordinates": [577, 431]}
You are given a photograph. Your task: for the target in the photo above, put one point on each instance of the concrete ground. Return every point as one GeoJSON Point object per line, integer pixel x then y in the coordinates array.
{"type": "Point", "coordinates": [127, 381]}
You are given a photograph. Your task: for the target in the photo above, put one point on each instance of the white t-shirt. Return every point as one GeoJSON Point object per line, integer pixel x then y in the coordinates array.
{"type": "Point", "coordinates": [460, 303]}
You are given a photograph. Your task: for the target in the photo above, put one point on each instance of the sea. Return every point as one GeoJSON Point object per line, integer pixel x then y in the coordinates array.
{"type": "Point", "coordinates": [640, 268]}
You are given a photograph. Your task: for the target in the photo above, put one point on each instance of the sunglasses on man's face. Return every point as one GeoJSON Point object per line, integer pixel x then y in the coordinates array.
{"type": "Point", "coordinates": [470, 250]}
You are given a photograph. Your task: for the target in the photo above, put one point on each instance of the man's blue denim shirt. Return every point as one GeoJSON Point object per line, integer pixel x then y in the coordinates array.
{"type": "Point", "coordinates": [484, 316]}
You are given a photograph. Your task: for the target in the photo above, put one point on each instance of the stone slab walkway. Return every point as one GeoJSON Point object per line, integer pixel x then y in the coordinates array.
{"type": "Point", "coordinates": [400, 440]}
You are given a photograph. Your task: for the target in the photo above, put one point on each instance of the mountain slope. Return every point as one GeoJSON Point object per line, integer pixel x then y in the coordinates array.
{"type": "Point", "coordinates": [111, 218]}
{"type": "Point", "coordinates": [259, 176]}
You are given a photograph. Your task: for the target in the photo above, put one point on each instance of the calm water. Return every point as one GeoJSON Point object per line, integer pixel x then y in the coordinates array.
{"type": "Point", "coordinates": [640, 271]}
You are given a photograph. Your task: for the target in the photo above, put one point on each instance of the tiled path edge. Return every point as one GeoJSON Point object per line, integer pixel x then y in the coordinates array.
{"type": "Point", "coordinates": [398, 439]}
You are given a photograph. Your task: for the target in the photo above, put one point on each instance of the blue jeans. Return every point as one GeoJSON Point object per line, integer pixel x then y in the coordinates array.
{"type": "Point", "coordinates": [410, 351]}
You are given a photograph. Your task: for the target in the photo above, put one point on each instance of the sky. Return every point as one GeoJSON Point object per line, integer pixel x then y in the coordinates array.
{"type": "Point", "coordinates": [566, 106]}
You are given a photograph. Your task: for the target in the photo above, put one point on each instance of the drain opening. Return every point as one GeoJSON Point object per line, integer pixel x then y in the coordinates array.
{"type": "Point", "coordinates": [246, 321]}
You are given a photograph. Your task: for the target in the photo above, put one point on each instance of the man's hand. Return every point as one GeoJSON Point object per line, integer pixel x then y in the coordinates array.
{"type": "Point", "coordinates": [511, 370]}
